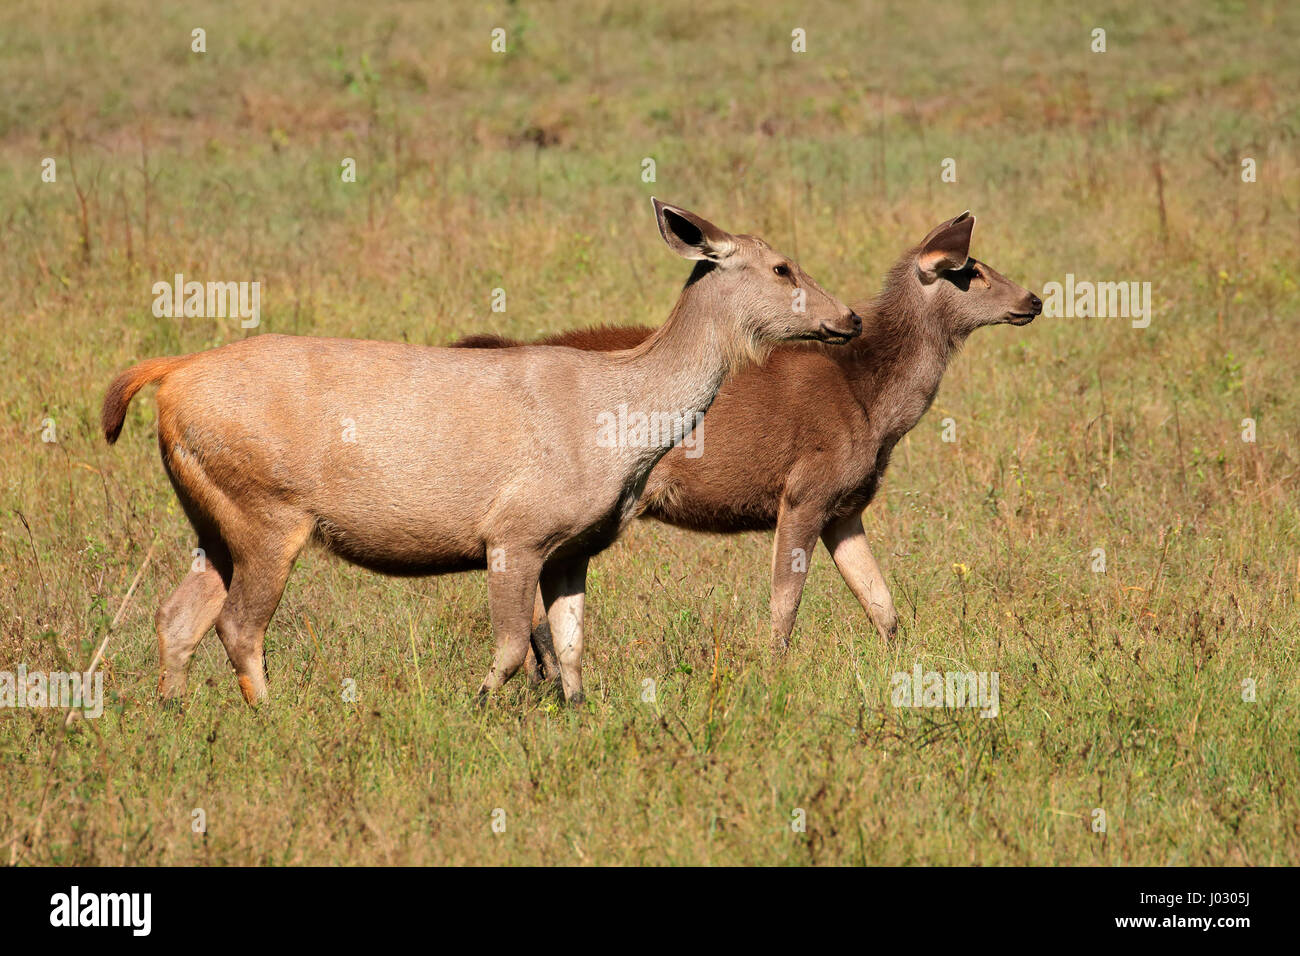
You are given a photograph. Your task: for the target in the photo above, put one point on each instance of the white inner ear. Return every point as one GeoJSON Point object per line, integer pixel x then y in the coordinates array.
{"type": "Point", "coordinates": [717, 251]}
{"type": "Point", "coordinates": [931, 263]}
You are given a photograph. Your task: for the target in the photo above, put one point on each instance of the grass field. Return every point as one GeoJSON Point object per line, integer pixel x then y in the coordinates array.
{"type": "Point", "coordinates": [1120, 691]}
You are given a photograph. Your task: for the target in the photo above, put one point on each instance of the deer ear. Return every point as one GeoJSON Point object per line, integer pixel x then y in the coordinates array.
{"type": "Point", "coordinates": [946, 247]}
{"type": "Point", "coordinates": [692, 236]}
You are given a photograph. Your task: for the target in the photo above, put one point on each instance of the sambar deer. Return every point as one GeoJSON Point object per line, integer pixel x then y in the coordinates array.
{"type": "Point", "coordinates": [801, 442]}
{"type": "Point", "coordinates": [411, 460]}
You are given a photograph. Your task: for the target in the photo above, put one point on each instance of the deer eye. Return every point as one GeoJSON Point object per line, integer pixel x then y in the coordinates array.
{"type": "Point", "coordinates": [782, 270]}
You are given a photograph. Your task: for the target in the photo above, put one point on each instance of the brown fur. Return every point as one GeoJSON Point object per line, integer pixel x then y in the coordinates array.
{"type": "Point", "coordinates": [801, 442]}
{"type": "Point", "coordinates": [411, 460]}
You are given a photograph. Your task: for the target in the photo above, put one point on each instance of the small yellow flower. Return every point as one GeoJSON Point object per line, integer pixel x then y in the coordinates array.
{"type": "Point", "coordinates": [961, 571]}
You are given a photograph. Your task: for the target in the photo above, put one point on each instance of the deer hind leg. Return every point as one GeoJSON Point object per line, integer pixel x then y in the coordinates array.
{"type": "Point", "coordinates": [511, 592]}
{"type": "Point", "coordinates": [185, 617]}
{"type": "Point", "coordinates": [541, 664]}
{"type": "Point", "coordinates": [796, 536]}
{"type": "Point", "coordinates": [847, 543]}
{"type": "Point", "coordinates": [256, 586]}
{"type": "Point", "coordinates": [530, 666]}
{"type": "Point", "coordinates": [564, 587]}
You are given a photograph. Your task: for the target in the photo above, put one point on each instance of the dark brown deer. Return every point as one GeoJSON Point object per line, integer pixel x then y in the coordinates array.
{"type": "Point", "coordinates": [410, 460]}
{"type": "Point", "coordinates": [801, 442]}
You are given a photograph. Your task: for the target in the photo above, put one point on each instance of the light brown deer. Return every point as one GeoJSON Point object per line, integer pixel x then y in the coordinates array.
{"type": "Point", "coordinates": [801, 442]}
{"type": "Point", "coordinates": [410, 460]}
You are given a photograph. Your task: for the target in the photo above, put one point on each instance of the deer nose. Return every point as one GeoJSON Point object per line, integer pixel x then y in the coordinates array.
{"type": "Point", "coordinates": [1035, 304]}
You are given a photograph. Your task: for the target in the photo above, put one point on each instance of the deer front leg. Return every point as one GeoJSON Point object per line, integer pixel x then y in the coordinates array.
{"type": "Point", "coordinates": [796, 536]}
{"type": "Point", "coordinates": [510, 596]}
{"type": "Point", "coordinates": [847, 543]}
{"type": "Point", "coordinates": [564, 589]}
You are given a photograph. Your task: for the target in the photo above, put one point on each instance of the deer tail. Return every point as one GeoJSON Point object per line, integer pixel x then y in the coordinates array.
{"type": "Point", "coordinates": [126, 385]}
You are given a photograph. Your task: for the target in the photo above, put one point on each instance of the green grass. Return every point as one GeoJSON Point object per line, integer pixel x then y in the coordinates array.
{"type": "Point", "coordinates": [1120, 691]}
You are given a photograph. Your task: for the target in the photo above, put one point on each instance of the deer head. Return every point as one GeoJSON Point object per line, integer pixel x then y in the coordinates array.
{"type": "Point", "coordinates": [962, 292]}
{"type": "Point", "coordinates": [764, 296]}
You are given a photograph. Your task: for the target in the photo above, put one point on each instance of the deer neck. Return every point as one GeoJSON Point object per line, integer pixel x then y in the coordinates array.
{"type": "Point", "coordinates": [681, 367]}
{"type": "Point", "coordinates": [896, 365]}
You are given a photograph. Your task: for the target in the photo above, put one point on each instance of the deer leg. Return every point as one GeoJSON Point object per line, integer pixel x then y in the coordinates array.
{"type": "Point", "coordinates": [256, 586]}
{"type": "Point", "coordinates": [185, 617]}
{"type": "Point", "coordinates": [541, 664]}
{"type": "Point", "coordinates": [796, 536]}
{"type": "Point", "coordinates": [847, 543]}
{"type": "Point", "coordinates": [511, 595]}
{"type": "Point", "coordinates": [564, 588]}
{"type": "Point", "coordinates": [530, 667]}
